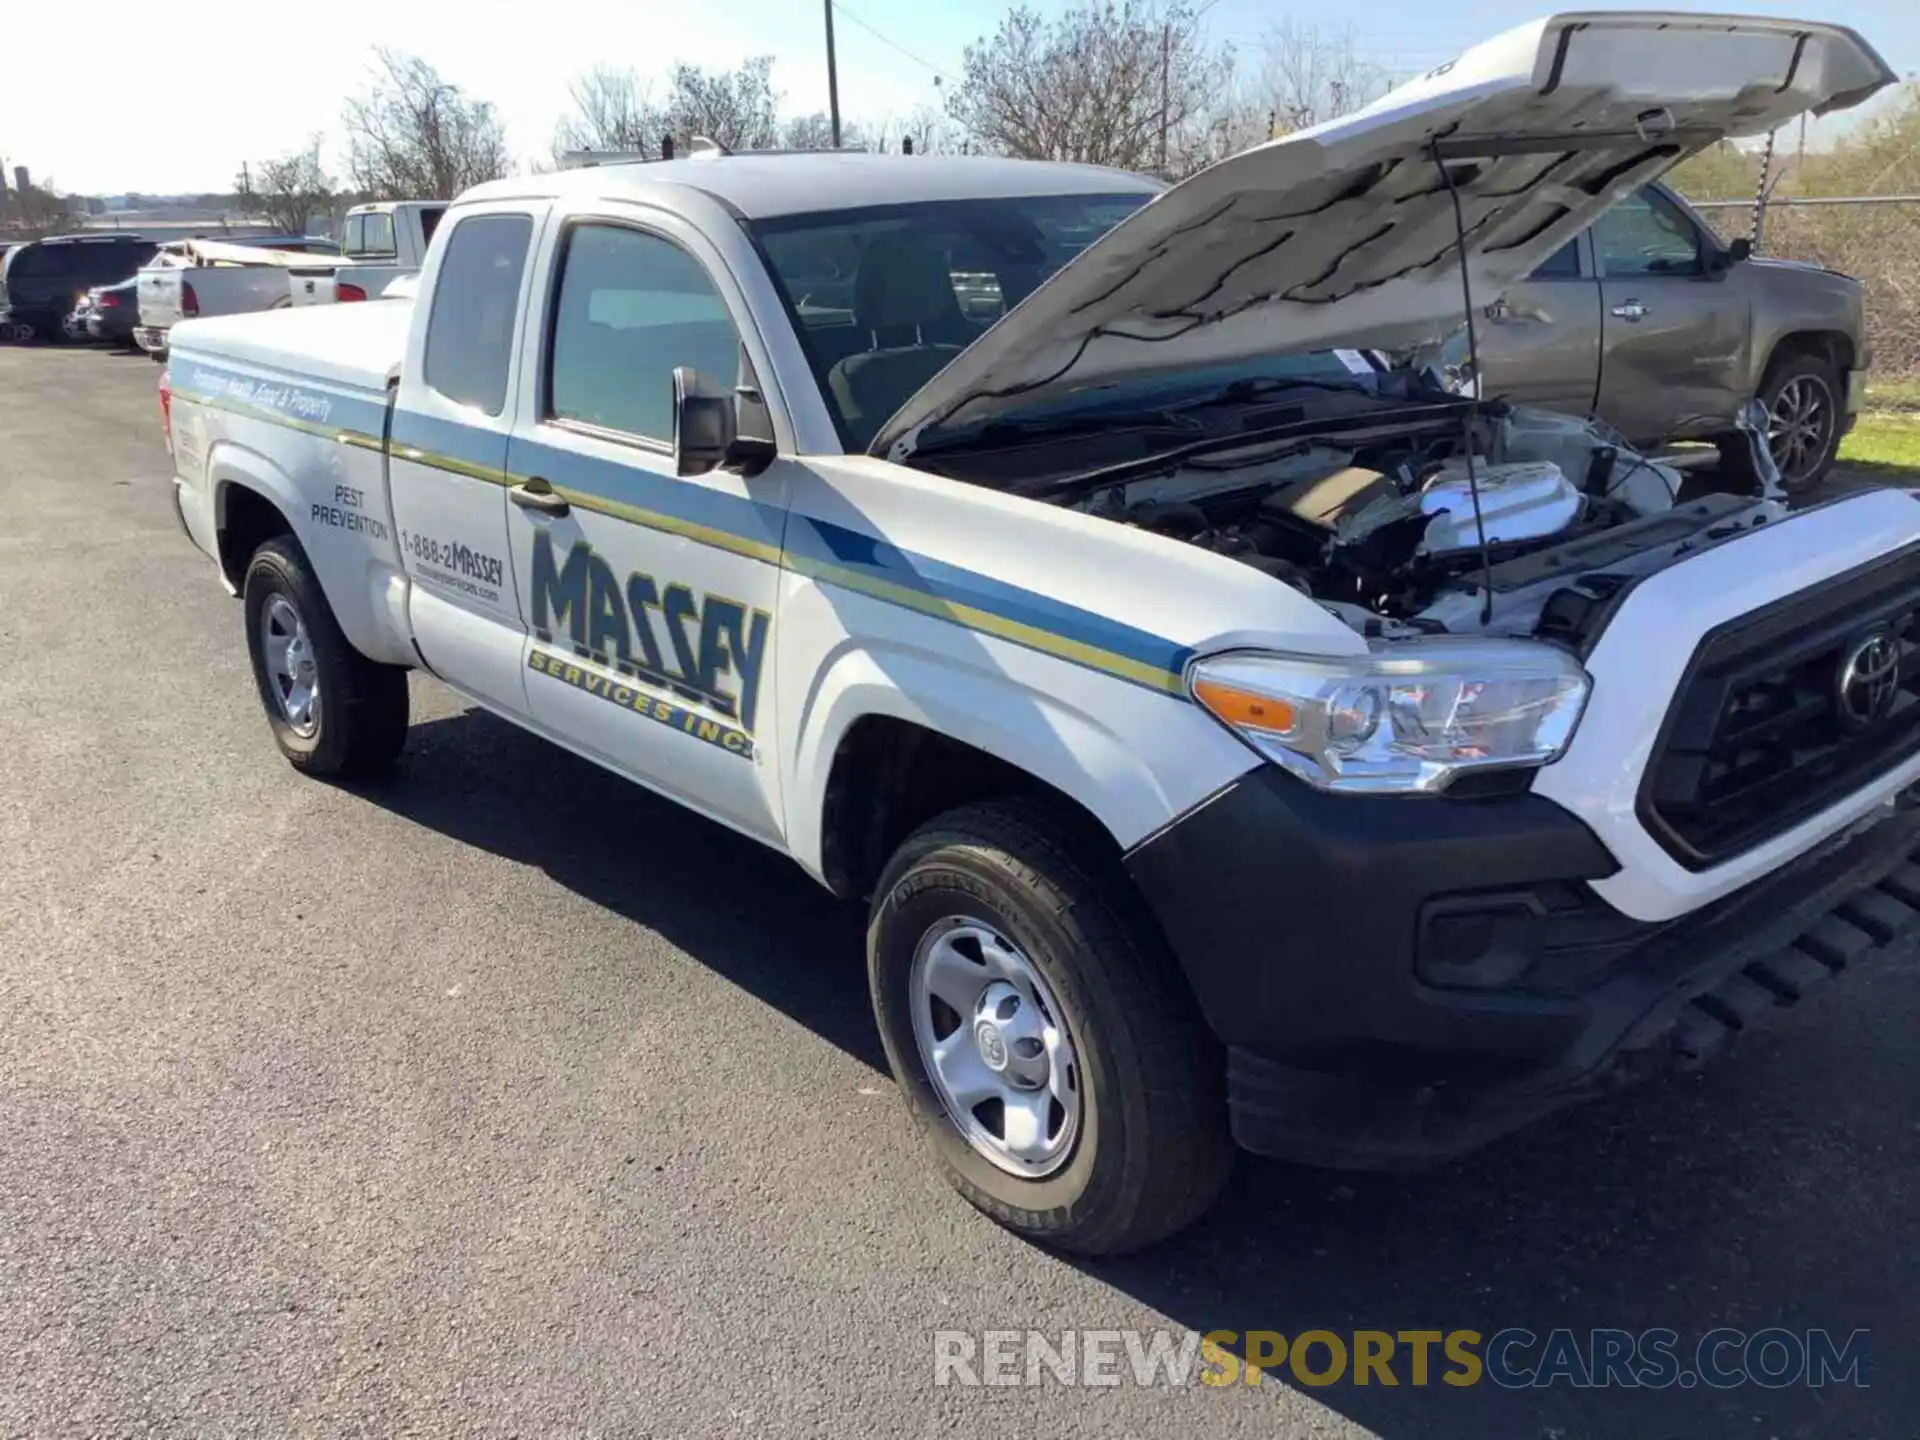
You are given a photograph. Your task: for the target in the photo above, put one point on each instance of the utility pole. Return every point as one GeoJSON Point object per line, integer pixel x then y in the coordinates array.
{"type": "Point", "coordinates": [833, 80]}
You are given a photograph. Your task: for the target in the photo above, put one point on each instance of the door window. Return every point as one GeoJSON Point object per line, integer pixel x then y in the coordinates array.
{"type": "Point", "coordinates": [633, 306]}
{"type": "Point", "coordinates": [1647, 234]}
{"type": "Point", "coordinates": [476, 298]}
{"type": "Point", "coordinates": [1563, 264]}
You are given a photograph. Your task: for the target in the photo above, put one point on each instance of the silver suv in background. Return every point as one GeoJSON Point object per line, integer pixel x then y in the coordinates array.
{"type": "Point", "coordinates": [1650, 322]}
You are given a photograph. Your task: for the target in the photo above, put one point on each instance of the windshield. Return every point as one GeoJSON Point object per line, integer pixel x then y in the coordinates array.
{"type": "Point", "coordinates": [884, 298]}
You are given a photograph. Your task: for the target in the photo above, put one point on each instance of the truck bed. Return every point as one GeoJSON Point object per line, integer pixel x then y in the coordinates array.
{"type": "Point", "coordinates": [355, 345]}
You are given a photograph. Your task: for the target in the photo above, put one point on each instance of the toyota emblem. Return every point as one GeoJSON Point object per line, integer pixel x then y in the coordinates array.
{"type": "Point", "coordinates": [1868, 681]}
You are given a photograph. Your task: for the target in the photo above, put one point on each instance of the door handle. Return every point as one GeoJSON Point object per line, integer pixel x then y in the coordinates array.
{"type": "Point", "coordinates": [1504, 312]}
{"type": "Point", "coordinates": [1630, 310]}
{"type": "Point", "coordinates": [536, 494]}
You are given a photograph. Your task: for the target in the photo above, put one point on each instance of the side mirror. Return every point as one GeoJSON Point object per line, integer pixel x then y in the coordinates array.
{"type": "Point", "coordinates": [706, 430]}
{"type": "Point", "coordinates": [703, 424]}
{"type": "Point", "coordinates": [1741, 249]}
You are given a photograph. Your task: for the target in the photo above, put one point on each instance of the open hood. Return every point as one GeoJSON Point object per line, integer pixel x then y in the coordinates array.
{"type": "Point", "coordinates": [1345, 233]}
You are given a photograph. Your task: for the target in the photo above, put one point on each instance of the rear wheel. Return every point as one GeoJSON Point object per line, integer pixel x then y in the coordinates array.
{"type": "Point", "coordinates": [333, 712]}
{"type": "Point", "coordinates": [1043, 1039]}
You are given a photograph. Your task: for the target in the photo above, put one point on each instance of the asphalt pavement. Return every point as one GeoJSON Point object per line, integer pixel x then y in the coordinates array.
{"type": "Point", "coordinates": [503, 1098]}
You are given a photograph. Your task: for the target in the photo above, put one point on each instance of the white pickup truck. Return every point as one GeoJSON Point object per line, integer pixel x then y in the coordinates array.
{"type": "Point", "coordinates": [188, 279]}
{"type": "Point", "coordinates": [379, 244]}
{"type": "Point", "coordinates": [1237, 734]}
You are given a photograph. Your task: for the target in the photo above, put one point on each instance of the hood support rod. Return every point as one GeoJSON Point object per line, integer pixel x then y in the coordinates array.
{"type": "Point", "coordinates": [1473, 399]}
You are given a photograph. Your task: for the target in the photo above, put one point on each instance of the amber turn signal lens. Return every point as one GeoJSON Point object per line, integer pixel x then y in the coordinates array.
{"type": "Point", "coordinates": [1244, 708]}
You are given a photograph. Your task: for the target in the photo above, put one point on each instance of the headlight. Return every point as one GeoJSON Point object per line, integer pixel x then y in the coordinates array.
{"type": "Point", "coordinates": [1407, 718]}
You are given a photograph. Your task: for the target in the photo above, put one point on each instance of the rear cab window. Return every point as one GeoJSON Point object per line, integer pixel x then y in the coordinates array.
{"type": "Point", "coordinates": [476, 302]}
{"type": "Point", "coordinates": [370, 237]}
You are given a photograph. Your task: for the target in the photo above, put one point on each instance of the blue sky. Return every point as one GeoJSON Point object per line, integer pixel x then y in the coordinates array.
{"type": "Point", "coordinates": [227, 83]}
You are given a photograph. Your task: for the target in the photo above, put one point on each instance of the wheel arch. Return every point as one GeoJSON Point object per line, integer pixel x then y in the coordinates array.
{"type": "Point", "coordinates": [889, 776]}
{"type": "Point", "coordinates": [887, 740]}
{"type": "Point", "coordinates": [245, 518]}
{"type": "Point", "coordinates": [1836, 347]}
{"type": "Point", "coordinates": [254, 500]}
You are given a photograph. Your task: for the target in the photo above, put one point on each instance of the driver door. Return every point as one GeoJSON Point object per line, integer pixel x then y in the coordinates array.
{"type": "Point", "coordinates": [1674, 322]}
{"type": "Point", "coordinates": [648, 597]}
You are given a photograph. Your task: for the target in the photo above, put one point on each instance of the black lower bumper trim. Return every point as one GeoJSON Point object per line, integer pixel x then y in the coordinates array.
{"type": "Point", "coordinates": [1339, 1053]}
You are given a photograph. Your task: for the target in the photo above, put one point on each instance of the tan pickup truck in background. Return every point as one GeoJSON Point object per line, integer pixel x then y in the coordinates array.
{"type": "Point", "coordinates": [1651, 322]}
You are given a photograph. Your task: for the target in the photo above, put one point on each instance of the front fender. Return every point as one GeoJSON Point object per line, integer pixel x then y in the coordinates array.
{"type": "Point", "coordinates": [1133, 759]}
{"type": "Point", "coordinates": [1795, 300]}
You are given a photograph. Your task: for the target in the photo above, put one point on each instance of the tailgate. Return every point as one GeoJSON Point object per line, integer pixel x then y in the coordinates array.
{"type": "Point", "coordinates": [311, 284]}
{"type": "Point", "coordinates": [159, 297]}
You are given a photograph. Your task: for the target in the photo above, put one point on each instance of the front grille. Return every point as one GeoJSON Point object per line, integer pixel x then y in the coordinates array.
{"type": "Point", "coordinates": [1761, 736]}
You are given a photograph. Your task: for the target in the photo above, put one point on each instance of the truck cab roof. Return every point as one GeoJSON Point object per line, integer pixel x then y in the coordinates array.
{"type": "Point", "coordinates": [760, 185]}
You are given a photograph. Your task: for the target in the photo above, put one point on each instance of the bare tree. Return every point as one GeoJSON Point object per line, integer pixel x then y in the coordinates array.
{"type": "Point", "coordinates": [1307, 76]}
{"type": "Point", "coordinates": [1117, 82]}
{"type": "Point", "coordinates": [815, 132]}
{"type": "Point", "coordinates": [734, 108]}
{"type": "Point", "coordinates": [413, 135]}
{"type": "Point", "coordinates": [291, 189]}
{"type": "Point", "coordinates": [930, 128]}
{"type": "Point", "coordinates": [29, 212]}
{"type": "Point", "coordinates": [612, 111]}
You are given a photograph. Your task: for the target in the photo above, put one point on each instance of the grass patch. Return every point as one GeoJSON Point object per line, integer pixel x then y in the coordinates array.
{"type": "Point", "coordinates": [1886, 443]}
{"type": "Point", "coordinates": [1897, 393]}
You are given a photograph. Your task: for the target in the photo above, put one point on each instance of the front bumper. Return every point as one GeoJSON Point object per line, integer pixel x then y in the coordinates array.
{"type": "Point", "coordinates": [1398, 981]}
{"type": "Point", "coordinates": [1855, 383]}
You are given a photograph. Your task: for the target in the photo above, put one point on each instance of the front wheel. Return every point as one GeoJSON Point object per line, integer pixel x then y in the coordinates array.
{"type": "Point", "coordinates": [1041, 1035]}
{"type": "Point", "coordinates": [1802, 398]}
{"type": "Point", "coordinates": [333, 712]}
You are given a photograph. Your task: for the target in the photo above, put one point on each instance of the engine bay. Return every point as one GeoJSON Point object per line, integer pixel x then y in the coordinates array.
{"type": "Point", "coordinates": [1386, 533]}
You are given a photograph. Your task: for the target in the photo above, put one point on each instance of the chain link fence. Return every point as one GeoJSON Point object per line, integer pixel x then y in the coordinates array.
{"type": "Point", "coordinates": [1873, 237]}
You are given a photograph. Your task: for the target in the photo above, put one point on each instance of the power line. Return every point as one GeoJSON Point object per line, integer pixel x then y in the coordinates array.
{"type": "Point", "coordinates": [893, 44]}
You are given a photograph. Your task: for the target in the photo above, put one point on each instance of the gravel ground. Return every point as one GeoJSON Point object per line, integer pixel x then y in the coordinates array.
{"type": "Point", "coordinates": [503, 1098]}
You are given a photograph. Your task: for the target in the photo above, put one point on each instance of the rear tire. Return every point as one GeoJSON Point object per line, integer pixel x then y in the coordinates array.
{"type": "Point", "coordinates": [1147, 1150]}
{"type": "Point", "coordinates": [333, 712]}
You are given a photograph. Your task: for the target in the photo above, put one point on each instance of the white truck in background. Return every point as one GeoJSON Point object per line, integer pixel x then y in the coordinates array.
{"type": "Point", "coordinates": [379, 244]}
{"type": "Point", "coordinates": [188, 279]}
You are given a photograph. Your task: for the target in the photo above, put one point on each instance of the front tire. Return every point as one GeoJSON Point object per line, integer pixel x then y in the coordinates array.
{"type": "Point", "coordinates": [1041, 1035]}
{"type": "Point", "coordinates": [333, 712]}
{"type": "Point", "coordinates": [1802, 396]}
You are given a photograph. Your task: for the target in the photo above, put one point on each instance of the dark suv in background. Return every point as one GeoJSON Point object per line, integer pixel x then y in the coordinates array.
{"type": "Point", "coordinates": [1651, 322]}
{"type": "Point", "coordinates": [43, 280]}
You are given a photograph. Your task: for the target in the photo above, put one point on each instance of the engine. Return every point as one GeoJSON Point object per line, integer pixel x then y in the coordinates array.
{"type": "Point", "coordinates": [1389, 535]}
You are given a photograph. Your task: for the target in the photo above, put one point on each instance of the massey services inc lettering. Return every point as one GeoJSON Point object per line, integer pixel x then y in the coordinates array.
{"type": "Point", "coordinates": [714, 649]}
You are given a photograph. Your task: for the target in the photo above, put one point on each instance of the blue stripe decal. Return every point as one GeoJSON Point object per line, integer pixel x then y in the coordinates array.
{"type": "Point", "coordinates": [830, 553]}
{"type": "Point", "coordinates": [640, 488]}
{"type": "Point", "coordinates": [313, 405]}
{"type": "Point", "coordinates": [294, 377]}
{"type": "Point", "coordinates": [854, 550]}
{"type": "Point", "coordinates": [473, 445]}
